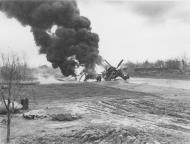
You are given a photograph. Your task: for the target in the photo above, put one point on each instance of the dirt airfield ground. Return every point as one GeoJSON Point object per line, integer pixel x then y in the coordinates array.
{"type": "Point", "coordinates": [114, 112]}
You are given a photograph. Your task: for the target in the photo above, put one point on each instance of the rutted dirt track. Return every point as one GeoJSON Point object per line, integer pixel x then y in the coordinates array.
{"type": "Point", "coordinates": [112, 113]}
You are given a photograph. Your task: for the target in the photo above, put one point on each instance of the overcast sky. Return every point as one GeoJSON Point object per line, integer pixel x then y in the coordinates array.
{"type": "Point", "coordinates": [132, 30]}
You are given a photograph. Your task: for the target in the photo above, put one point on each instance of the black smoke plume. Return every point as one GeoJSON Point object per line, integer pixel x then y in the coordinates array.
{"type": "Point", "coordinates": [72, 44]}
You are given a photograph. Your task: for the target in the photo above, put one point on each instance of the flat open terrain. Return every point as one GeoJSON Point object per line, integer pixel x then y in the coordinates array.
{"type": "Point", "coordinates": [112, 113]}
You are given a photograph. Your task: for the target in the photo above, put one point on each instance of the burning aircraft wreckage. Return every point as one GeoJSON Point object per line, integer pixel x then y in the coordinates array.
{"type": "Point", "coordinates": [110, 73]}
{"type": "Point", "coordinates": [62, 34]}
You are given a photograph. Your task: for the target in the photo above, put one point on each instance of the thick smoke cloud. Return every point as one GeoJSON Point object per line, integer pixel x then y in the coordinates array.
{"type": "Point", "coordinates": [72, 44]}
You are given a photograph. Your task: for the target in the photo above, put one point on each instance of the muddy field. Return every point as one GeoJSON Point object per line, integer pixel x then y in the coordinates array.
{"type": "Point", "coordinates": [109, 113]}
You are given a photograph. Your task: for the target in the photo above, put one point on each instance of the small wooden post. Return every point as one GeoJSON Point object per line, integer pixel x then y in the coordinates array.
{"type": "Point", "coordinates": [25, 103]}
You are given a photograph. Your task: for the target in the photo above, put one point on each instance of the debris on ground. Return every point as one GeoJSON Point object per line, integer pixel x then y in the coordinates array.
{"type": "Point", "coordinates": [35, 114]}
{"type": "Point", "coordinates": [65, 117]}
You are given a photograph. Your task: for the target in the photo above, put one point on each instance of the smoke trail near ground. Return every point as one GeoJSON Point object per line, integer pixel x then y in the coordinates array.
{"type": "Point", "coordinates": [70, 44]}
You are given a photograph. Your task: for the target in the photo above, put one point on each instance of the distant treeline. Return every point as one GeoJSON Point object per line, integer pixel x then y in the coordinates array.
{"type": "Point", "coordinates": [159, 65]}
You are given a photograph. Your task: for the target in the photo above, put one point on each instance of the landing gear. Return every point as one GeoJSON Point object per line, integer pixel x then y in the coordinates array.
{"type": "Point", "coordinates": [99, 78]}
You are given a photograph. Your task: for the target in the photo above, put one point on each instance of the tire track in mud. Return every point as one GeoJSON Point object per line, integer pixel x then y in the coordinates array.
{"type": "Point", "coordinates": [125, 116]}
{"type": "Point", "coordinates": [147, 113]}
{"type": "Point", "coordinates": [155, 116]}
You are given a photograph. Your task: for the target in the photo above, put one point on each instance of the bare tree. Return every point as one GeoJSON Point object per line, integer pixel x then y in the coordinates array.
{"type": "Point", "coordinates": [12, 72]}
